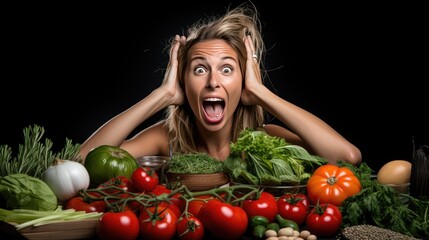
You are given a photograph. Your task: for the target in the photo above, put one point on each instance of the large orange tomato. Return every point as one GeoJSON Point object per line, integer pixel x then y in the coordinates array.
{"type": "Point", "coordinates": [332, 184]}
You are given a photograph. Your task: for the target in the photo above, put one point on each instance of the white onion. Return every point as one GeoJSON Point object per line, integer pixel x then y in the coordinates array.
{"type": "Point", "coordinates": [66, 178]}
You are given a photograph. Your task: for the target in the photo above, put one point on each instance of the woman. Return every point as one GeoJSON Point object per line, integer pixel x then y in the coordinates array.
{"type": "Point", "coordinates": [212, 90]}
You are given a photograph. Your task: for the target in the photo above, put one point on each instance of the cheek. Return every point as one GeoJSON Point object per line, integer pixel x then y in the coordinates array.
{"type": "Point", "coordinates": [236, 84]}
{"type": "Point", "coordinates": [192, 90]}
{"type": "Point", "coordinates": [234, 93]}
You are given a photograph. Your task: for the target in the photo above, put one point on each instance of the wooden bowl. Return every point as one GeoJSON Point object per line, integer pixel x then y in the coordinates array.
{"type": "Point", "coordinates": [199, 182]}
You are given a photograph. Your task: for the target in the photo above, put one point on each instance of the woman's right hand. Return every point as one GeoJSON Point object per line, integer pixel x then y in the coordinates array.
{"type": "Point", "coordinates": [171, 84]}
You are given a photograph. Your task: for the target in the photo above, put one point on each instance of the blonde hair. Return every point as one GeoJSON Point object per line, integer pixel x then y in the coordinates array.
{"type": "Point", "coordinates": [232, 27]}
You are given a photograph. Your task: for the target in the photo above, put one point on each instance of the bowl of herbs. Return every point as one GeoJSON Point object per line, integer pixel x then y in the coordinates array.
{"type": "Point", "coordinates": [197, 171]}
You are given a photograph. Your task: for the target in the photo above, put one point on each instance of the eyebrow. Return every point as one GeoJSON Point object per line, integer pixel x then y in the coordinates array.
{"type": "Point", "coordinates": [204, 59]}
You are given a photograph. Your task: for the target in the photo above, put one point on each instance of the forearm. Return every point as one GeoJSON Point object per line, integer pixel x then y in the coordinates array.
{"type": "Point", "coordinates": [318, 137]}
{"type": "Point", "coordinates": [117, 129]}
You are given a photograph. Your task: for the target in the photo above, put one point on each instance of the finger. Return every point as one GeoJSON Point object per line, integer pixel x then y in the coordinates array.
{"type": "Point", "coordinates": [183, 39]}
{"type": "Point", "coordinates": [175, 48]}
{"type": "Point", "coordinates": [250, 48]}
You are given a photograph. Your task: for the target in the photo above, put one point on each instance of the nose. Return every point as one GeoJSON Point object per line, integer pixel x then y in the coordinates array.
{"type": "Point", "coordinates": [212, 81]}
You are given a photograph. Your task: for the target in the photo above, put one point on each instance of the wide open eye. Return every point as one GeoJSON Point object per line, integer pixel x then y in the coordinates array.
{"type": "Point", "coordinates": [200, 70]}
{"type": "Point", "coordinates": [227, 70]}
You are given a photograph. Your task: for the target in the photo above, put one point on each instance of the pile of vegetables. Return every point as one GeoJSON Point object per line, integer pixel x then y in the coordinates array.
{"type": "Point", "coordinates": [39, 186]}
{"type": "Point", "coordinates": [21, 184]}
{"type": "Point", "coordinates": [383, 206]}
{"type": "Point", "coordinates": [260, 159]}
{"type": "Point", "coordinates": [35, 181]}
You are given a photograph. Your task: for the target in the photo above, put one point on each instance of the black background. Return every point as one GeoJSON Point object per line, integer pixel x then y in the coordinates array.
{"type": "Point", "coordinates": [360, 67]}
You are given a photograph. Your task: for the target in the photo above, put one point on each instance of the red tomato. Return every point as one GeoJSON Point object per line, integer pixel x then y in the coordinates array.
{"type": "Point", "coordinates": [190, 228]}
{"type": "Point", "coordinates": [144, 179]}
{"type": "Point", "coordinates": [78, 204]}
{"type": "Point", "coordinates": [158, 222]}
{"type": "Point", "coordinates": [160, 189]}
{"type": "Point", "coordinates": [293, 206]}
{"type": "Point", "coordinates": [171, 206]}
{"type": "Point", "coordinates": [121, 182]}
{"type": "Point", "coordinates": [324, 220]}
{"type": "Point", "coordinates": [175, 199]}
{"type": "Point", "coordinates": [223, 220]}
{"type": "Point", "coordinates": [332, 184]}
{"type": "Point", "coordinates": [131, 203]}
{"type": "Point", "coordinates": [265, 205]}
{"type": "Point", "coordinates": [178, 201]}
{"type": "Point", "coordinates": [196, 204]}
{"type": "Point", "coordinates": [118, 225]}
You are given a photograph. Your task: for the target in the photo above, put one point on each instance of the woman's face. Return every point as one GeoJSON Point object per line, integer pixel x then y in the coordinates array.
{"type": "Point", "coordinates": [213, 83]}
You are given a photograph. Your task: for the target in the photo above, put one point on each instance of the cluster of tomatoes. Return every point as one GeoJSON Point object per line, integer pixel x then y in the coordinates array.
{"type": "Point", "coordinates": [140, 206]}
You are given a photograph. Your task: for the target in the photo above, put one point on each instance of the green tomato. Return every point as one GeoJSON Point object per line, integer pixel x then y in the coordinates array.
{"type": "Point", "coordinates": [106, 162]}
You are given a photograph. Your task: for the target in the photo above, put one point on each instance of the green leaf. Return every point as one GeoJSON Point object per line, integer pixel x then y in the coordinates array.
{"type": "Point", "coordinates": [284, 171]}
{"type": "Point", "coordinates": [270, 180]}
{"type": "Point", "coordinates": [260, 166]}
{"type": "Point", "coordinates": [25, 192]}
{"type": "Point", "coordinates": [270, 155]}
{"type": "Point", "coordinates": [249, 178]}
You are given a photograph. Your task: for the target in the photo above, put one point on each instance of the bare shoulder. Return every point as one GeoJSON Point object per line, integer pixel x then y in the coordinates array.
{"type": "Point", "coordinates": [280, 131]}
{"type": "Point", "coordinates": [152, 140]}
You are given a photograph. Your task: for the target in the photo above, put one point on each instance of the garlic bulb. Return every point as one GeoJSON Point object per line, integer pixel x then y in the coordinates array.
{"type": "Point", "coordinates": [66, 178]}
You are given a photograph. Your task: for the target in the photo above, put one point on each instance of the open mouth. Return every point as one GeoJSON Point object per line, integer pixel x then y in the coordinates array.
{"type": "Point", "coordinates": [213, 109]}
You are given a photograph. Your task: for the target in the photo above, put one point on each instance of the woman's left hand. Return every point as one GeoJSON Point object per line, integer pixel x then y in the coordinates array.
{"type": "Point", "coordinates": [253, 79]}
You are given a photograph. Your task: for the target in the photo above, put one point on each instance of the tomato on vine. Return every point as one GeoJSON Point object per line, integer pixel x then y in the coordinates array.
{"type": "Point", "coordinates": [79, 204]}
{"type": "Point", "coordinates": [160, 189]}
{"type": "Point", "coordinates": [108, 187]}
{"type": "Point", "coordinates": [158, 222]}
{"type": "Point", "coordinates": [145, 179]}
{"type": "Point", "coordinates": [190, 228]}
{"type": "Point", "coordinates": [194, 206]}
{"type": "Point", "coordinates": [175, 199]}
{"type": "Point", "coordinates": [118, 225]}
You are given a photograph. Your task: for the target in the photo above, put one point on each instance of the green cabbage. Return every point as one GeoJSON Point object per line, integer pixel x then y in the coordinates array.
{"type": "Point", "coordinates": [21, 191]}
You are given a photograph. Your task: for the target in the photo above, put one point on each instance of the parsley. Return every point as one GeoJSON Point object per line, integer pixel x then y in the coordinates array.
{"type": "Point", "coordinates": [383, 206]}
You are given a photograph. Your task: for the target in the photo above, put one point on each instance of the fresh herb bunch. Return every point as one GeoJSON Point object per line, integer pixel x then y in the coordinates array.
{"type": "Point", "coordinates": [34, 156]}
{"type": "Point", "coordinates": [383, 206]}
{"type": "Point", "coordinates": [195, 163]}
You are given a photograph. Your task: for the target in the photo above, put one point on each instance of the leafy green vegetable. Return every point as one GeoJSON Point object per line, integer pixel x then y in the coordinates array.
{"type": "Point", "coordinates": [260, 159]}
{"type": "Point", "coordinates": [382, 206]}
{"type": "Point", "coordinates": [195, 163]}
{"type": "Point", "coordinates": [25, 192]}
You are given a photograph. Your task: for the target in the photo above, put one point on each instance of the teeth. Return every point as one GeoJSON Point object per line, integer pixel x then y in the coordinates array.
{"type": "Point", "coordinates": [214, 99]}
